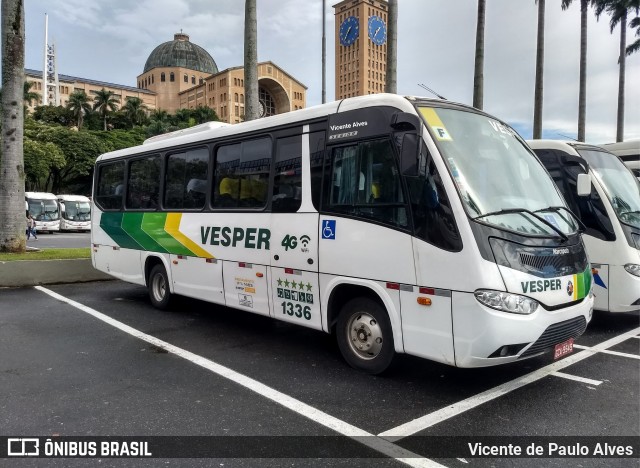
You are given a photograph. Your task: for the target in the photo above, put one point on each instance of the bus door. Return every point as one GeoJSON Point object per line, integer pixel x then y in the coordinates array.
{"type": "Point", "coordinates": [294, 232]}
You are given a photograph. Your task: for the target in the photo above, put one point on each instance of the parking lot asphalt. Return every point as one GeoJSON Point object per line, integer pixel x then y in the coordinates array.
{"type": "Point", "coordinates": [111, 364]}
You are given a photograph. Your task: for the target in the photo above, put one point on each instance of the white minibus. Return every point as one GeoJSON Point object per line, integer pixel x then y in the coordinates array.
{"type": "Point", "coordinates": [629, 152]}
{"type": "Point", "coordinates": [75, 213]}
{"type": "Point", "coordinates": [402, 225]}
{"type": "Point", "coordinates": [610, 213]}
{"type": "Point", "coordinates": [44, 209]}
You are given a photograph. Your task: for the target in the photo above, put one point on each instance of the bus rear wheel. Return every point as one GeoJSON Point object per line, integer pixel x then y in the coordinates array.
{"type": "Point", "coordinates": [364, 336]}
{"type": "Point", "coordinates": [158, 286]}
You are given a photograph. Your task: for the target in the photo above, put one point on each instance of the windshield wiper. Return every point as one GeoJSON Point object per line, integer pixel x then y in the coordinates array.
{"type": "Point", "coordinates": [520, 211]}
{"type": "Point", "coordinates": [630, 212]}
{"type": "Point", "coordinates": [556, 209]}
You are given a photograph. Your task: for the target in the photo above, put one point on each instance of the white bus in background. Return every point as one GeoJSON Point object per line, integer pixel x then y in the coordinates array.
{"type": "Point", "coordinates": [610, 213]}
{"type": "Point", "coordinates": [629, 152]}
{"type": "Point", "coordinates": [44, 209]}
{"type": "Point", "coordinates": [402, 225]}
{"type": "Point", "coordinates": [75, 213]}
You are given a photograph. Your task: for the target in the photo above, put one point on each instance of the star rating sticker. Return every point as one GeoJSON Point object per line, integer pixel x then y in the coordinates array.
{"type": "Point", "coordinates": [309, 287]}
{"type": "Point", "coordinates": [294, 284]}
{"type": "Point", "coordinates": [301, 286]}
{"type": "Point", "coordinates": [279, 282]}
{"type": "Point", "coordinates": [286, 283]}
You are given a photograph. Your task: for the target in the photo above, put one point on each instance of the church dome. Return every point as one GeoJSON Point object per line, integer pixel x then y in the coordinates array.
{"type": "Point", "coordinates": [181, 53]}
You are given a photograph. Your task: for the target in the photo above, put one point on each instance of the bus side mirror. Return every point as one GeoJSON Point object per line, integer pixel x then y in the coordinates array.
{"type": "Point", "coordinates": [409, 157]}
{"type": "Point", "coordinates": [584, 185]}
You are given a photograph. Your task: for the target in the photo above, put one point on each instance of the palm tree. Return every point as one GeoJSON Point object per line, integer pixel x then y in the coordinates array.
{"type": "Point", "coordinates": [12, 214]}
{"type": "Point", "coordinates": [478, 75]}
{"type": "Point", "coordinates": [635, 47]}
{"type": "Point", "coordinates": [29, 96]}
{"type": "Point", "coordinates": [159, 115]}
{"type": "Point", "coordinates": [251, 111]}
{"type": "Point", "coordinates": [182, 115]}
{"type": "Point", "coordinates": [204, 114]}
{"type": "Point", "coordinates": [391, 83]}
{"type": "Point", "coordinates": [79, 106]}
{"type": "Point", "coordinates": [618, 10]}
{"type": "Point", "coordinates": [537, 104]}
{"type": "Point", "coordinates": [135, 110]}
{"type": "Point", "coordinates": [582, 94]}
{"type": "Point", "coordinates": [105, 103]}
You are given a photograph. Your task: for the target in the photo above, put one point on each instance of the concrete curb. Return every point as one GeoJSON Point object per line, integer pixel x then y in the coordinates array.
{"type": "Point", "coordinates": [33, 272]}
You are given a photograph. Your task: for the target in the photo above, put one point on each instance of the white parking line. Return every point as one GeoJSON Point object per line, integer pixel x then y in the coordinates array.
{"type": "Point", "coordinates": [370, 440]}
{"type": "Point", "coordinates": [431, 419]}
{"type": "Point", "coordinates": [576, 378]}
{"type": "Point", "coordinates": [609, 351]}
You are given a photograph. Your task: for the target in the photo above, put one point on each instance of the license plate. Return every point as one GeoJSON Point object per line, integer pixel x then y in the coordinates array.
{"type": "Point", "coordinates": [562, 349]}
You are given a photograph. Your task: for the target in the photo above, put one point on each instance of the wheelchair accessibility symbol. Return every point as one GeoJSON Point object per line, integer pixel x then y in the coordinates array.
{"type": "Point", "coordinates": [329, 229]}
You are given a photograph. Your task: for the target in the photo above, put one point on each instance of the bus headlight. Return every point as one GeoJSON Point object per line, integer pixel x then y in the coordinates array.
{"type": "Point", "coordinates": [507, 302]}
{"type": "Point", "coordinates": [633, 269]}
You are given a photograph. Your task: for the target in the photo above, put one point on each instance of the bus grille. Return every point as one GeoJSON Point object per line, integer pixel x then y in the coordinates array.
{"type": "Point", "coordinates": [557, 333]}
{"type": "Point", "coordinates": [555, 264]}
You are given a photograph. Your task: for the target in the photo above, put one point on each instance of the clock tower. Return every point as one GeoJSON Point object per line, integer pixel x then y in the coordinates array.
{"type": "Point", "coordinates": [361, 47]}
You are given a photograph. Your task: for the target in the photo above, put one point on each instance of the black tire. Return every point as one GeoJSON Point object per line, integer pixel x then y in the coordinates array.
{"type": "Point", "coordinates": [364, 336]}
{"type": "Point", "coordinates": [158, 287]}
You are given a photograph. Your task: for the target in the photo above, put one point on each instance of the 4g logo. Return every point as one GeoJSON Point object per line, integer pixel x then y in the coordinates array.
{"type": "Point", "coordinates": [291, 242]}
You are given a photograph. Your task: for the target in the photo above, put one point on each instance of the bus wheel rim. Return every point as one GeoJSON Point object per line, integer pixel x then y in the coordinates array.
{"type": "Point", "coordinates": [159, 287]}
{"type": "Point", "coordinates": [364, 335]}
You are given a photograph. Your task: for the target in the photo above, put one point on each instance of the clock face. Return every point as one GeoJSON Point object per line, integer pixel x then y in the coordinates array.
{"type": "Point", "coordinates": [349, 31]}
{"type": "Point", "coordinates": [377, 30]}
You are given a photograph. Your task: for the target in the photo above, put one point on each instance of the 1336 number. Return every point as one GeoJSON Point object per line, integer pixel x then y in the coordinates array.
{"type": "Point", "coordinates": [292, 309]}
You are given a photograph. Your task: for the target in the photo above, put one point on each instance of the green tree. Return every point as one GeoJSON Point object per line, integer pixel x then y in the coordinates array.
{"type": "Point", "coordinates": [582, 94]}
{"type": "Point", "coordinates": [157, 127]}
{"type": "Point", "coordinates": [183, 117]}
{"type": "Point", "coordinates": [135, 110]}
{"type": "Point", "coordinates": [79, 106]}
{"type": "Point", "coordinates": [251, 110]}
{"type": "Point", "coordinates": [635, 47]}
{"type": "Point", "coordinates": [203, 114]}
{"type": "Point", "coordinates": [29, 96]}
{"type": "Point", "coordinates": [478, 73]}
{"type": "Point", "coordinates": [12, 214]}
{"type": "Point", "coordinates": [80, 149]}
{"type": "Point", "coordinates": [159, 115]}
{"type": "Point", "coordinates": [538, 99]}
{"type": "Point", "coordinates": [40, 160]}
{"type": "Point", "coordinates": [53, 115]}
{"type": "Point", "coordinates": [104, 103]}
{"type": "Point", "coordinates": [618, 11]}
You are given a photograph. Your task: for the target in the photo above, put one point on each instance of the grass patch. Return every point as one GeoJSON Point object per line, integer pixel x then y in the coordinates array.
{"type": "Point", "coordinates": [47, 254]}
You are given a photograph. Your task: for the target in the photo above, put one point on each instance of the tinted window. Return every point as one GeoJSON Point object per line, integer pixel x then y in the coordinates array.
{"type": "Point", "coordinates": [433, 217]}
{"type": "Point", "coordinates": [589, 209]}
{"type": "Point", "coordinates": [110, 186]}
{"type": "Point", "coordinates": [242, 174]}
{"type": "Point", "coordinates": [186, 179]}
{"type": "Point", "coordinates": [287, 182]}
{"type": "Point", "coordinates": [364, 181]}
{"type": "Point", "coordinates": [143, 190]}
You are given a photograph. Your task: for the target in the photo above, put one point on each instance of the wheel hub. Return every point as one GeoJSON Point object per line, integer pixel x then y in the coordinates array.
{"type": "Point", "coordinates": [365, 335]}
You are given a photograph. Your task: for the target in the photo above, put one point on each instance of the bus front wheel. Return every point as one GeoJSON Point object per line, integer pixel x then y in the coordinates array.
{"type": "Point", "coordinates": [159, 292]}
{"type": "Point", "coordinates": [364, 336]}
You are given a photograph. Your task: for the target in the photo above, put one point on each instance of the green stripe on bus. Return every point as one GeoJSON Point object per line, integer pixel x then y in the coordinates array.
{"type": "Point", "coordinates": [132, 224]}
{"type": "Point", "coordinates": [111, 223]}
{"type": "Point", "coordinates": [153, 225]}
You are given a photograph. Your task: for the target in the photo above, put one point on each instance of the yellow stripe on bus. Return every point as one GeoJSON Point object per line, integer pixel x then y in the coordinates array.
{"type": "Point", "coordinates": [433, 120]}
{"type": "Point", "coordinates": [172, 227]}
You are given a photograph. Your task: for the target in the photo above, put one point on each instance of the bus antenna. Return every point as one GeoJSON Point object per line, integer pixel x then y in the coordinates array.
{"type": "Point", "coordinates": [431, 91]}
{"type": "Point", "coordinates": [567, 137]}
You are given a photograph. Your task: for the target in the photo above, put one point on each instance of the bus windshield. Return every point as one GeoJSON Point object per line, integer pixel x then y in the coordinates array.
{"type": "Point", "coordinates": [43, 210]}
{"type": "Point", "coordinates": [499, 180]}
{"type": "Point", "coordinates": [77, 211]}
{"type": "Point", "coordinates": [621, 187]}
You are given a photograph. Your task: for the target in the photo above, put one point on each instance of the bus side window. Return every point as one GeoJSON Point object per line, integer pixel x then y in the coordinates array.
{"type": "Point", "coordinates": [242, 174]}
{"type": "Point", "coordinates": [287, 182]}
{"type": "Point", "coordinates": [185, 186]}
{"type": "Point", "coordinates": [316, 149]}
{"type": "Point", "coordinates": [433, 218]}
{"type": "Point", "coordinates": [110, 183]}
{"type": "Point", "coordinates": [143, 190]}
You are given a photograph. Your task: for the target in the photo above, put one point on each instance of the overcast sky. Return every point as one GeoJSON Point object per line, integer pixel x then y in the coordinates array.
{"type": "Point", "coordinates": [111, 40]}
